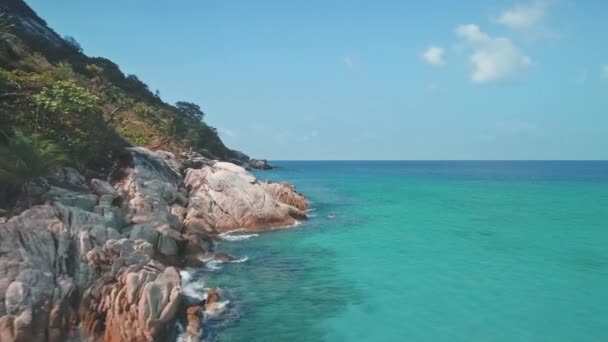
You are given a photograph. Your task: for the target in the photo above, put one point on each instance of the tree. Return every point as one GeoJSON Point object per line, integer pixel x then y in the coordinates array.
{"type": "Point", "coordinates": [98, 81]}
{"type": "Point", "coordinates": [72, 43]}
{"type": "Point", "coordinates": [67, 98]}
{"type": "Point", "coordinates": [117, 97]}
{"type": "Point", "coordinates": [24, 159]}
{"type": "Point", "coordinates": [68, 112]}
{"type": "Point", "coordinates": [190, 110]}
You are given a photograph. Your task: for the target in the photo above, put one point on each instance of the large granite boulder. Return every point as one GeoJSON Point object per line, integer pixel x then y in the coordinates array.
{"type": "Point", "coordinates": [259, 164]}
{"type": "Point", "coordinates": [285, 192]}
{"type": "Point", "coordinates": [226, 197]}
{"type": "Point", "coordinates": [149, 188]}
{"type": "Point", "coordinates": [35, 282]}
{"type": "Point", "coordinates": [42, 271]}
{"type": "Point", "coordinates": [134, 297]}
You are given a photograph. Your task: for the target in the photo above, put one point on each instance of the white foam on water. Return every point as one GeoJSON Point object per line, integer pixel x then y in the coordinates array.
{"type": "Point", "coordinates": [195, 289]}
{"type": "Point", "coordinates": [228, 236]}
{"type": "Point", "coordinates": [213, 265]}
{"type": "Point", "coordinates": [233, 231]}
{"type": "Point", "coordinates": [238, 237]}
{"type": "Point", "coordinates": [238, 261]}
{"type": "Point", "coordinates": [217, 308]}
{"type": "Point", "coordinates": [186, 276]}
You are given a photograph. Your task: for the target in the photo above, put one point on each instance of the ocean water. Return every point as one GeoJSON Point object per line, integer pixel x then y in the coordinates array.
{"type": "Point", "coordinates": [426, 251]}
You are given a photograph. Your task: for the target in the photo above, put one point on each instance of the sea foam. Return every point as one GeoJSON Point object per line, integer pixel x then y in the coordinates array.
{"type": "Point", "coordinates": [228, 236]}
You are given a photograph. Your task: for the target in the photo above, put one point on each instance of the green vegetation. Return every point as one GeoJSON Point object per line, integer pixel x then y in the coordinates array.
{"type": "Point", "coordinates": [54, 95]}
{"type": "Point", "coordinates": [26, 158]}
{"type": "Point", "coordinates": [190, 110]}
{"type": "Point", "coordinates": [5, 26]}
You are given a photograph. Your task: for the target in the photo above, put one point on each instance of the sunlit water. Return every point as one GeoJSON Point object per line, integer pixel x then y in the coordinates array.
{"type": "Point", "coordinates": [426, 251]}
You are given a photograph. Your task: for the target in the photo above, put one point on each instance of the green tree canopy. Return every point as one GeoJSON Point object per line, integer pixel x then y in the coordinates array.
{"type": "Point", "coordinates": [72, 43]}
{"type": "Point", "coordinates": [65, 97]}
{"type": "Point", "coordinates": [189, 109]}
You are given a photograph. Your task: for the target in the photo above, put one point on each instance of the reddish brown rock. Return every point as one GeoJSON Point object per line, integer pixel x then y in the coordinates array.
{"type": "Point", "coordinates": [225, 197]}
{"type": "Point", "coordinates": [134, 296]}
{"type": "Point", "coordinates": [285, 193]}
{"type": "Point", "coordinates": [213, 296]}
{"type": "Point", "coordinates": [194, 330]}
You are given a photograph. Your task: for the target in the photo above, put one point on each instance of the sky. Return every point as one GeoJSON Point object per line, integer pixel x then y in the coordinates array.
{"type": "Point", "coordinates": [365, 80]}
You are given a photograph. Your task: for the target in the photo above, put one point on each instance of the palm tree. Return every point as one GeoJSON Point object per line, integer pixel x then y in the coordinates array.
{"type": "Point", "coordinates": [25, 159]}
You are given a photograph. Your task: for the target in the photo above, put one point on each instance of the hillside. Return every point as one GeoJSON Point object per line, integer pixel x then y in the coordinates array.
{"type": "Point", "coordinates": [87, 105]}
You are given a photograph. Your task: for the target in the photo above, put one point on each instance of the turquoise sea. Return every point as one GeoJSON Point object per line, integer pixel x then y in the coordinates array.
{"type": "Point", "coordinates": [426, 251]}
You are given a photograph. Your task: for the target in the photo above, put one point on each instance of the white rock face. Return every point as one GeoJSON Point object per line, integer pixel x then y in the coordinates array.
{"type": "Point", "coordinates": [225, 197]}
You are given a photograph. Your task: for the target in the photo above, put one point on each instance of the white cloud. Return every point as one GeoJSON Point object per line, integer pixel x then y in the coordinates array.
{"type": "Point", "coordinates": [522, 17]}
{"type": "Point", "coordinates": [472, 34]}
{"type": "Point", "coordinates": [493, 59]}
{"type": "Point", "coordinates": [605, 71]}
{"type": "Point", "coordinates": [434, 56]}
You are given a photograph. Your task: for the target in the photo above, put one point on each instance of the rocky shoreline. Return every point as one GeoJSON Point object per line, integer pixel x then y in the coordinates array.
{"type": "Point", "coordinates": [99, 260]}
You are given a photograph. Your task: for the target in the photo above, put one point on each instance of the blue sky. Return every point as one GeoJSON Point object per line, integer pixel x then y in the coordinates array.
{"type": "Point", "coordinates": [368, 79]}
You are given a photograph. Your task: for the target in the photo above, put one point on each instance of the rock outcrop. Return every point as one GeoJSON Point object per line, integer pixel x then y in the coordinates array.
{"type": "Point", "coordinates": [286, 193]}
{"type": "Point", "coordinates": [150, 189]}
{"type": "Point", "coordinates": [194, 330]}
{"type": "Point", "coordinates": [225, 197]}
{"type": "Point", "coordinates": [259, 164]}
{"type": "Point", "coordinates": [36, 288]}
{"type": "Point", "coordinates": [97, 261]}
{"type": "Point", "coordinates": [134, 297]}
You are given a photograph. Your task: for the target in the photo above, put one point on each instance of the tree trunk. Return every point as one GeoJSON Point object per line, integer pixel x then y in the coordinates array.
{"type": "Point", "coordinates": [112, 114]}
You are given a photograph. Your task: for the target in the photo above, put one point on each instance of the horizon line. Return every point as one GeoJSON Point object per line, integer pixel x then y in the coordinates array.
{"type": "Point", "coordinates": [440, 160]}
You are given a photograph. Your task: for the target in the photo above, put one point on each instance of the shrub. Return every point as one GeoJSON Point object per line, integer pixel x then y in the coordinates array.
{"type": "Point", "coordinates": [24, 159]}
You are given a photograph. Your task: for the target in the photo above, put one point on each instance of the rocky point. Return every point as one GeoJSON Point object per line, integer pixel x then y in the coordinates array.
{"type": "Point", "coordinates": [99, 260]}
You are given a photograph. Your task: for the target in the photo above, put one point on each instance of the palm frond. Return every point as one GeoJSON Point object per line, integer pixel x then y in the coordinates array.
{"type": "Point", "coordinates": [26, 158]}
